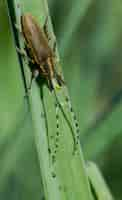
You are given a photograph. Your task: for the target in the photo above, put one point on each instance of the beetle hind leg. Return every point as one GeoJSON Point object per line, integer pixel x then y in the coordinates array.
{"type": "Point", "coordinates": [59, 79]}
{"type": "Point", "coordinates": [50, 85]}
{"type": "Point", "coordinates": [35, 74]}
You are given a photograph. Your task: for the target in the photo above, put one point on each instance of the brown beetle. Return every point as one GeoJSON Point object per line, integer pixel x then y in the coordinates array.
{"type": "Point", "coordinates": [42, 57]}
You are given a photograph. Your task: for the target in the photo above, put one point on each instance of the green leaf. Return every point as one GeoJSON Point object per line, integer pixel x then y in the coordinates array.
{"type": "Point", "coordinates": [98, 185]}
{"type": "Point", "coordinates": [65, 177]}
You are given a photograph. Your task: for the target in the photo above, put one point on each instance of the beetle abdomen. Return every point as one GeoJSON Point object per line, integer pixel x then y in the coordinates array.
{"type": "Point", "coordinates": [35, 39]}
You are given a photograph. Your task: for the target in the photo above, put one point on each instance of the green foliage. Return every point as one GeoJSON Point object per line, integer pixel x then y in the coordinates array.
{"type": "Point", "coordinates": [92, 66]}
{"type": "Point", "coordinates": [88, 34]}
{"type": "Point", "coordinates": [99, 188]}
{"type": "Point", "coordinates": [32, 116]}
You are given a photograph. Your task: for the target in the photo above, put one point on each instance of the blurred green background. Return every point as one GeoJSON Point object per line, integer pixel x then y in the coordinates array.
{"type": "Point", "coordinates": [89, 34]}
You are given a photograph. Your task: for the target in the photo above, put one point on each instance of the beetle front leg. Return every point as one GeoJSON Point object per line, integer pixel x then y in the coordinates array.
{"type": "Point", "coordinates": [18, 28]}
{"type": "Point", "coordinates": [45, 28]}
{"type": "Point", "coordinates": [21, 52]}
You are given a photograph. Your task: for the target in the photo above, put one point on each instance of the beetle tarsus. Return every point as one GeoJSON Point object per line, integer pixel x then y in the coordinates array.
{"type": "Point", "coordinates": [21, 52]}
{"type": "Point", "coordinates": [18, 28]}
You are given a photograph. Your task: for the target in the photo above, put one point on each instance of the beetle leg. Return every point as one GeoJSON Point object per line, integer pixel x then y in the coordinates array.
{"type": "Point", "coordinates": [34, 75]}
{"type": "Point", "coordinates": [45, 28]}
{"type": "Point", "coordinates": [54, 47]}
{"type": "Point", "coordinates": [18, 28]}
{"type": "Point", "coordinates": [45, 24]}
{"type": "Point", "coordinates": [50, 84]}
{"type": "Point", "coordinates": [43, 71]}
{"type": "Point", "coordinates": [21, 52]}
{"type": "Point", "coordinates": [59, 79]}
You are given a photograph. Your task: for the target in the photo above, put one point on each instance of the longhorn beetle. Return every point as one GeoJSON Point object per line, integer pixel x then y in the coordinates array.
{"type": "Point", "coordinates": [42, 60]}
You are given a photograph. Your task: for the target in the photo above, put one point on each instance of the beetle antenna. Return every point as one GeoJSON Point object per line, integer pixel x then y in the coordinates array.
{"type": "Point", "coordinates": [75, 139]}
{"type": "Point", "coordinates": [57, 133]}
{"type": "Point", "coordinates": [76, 125]}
